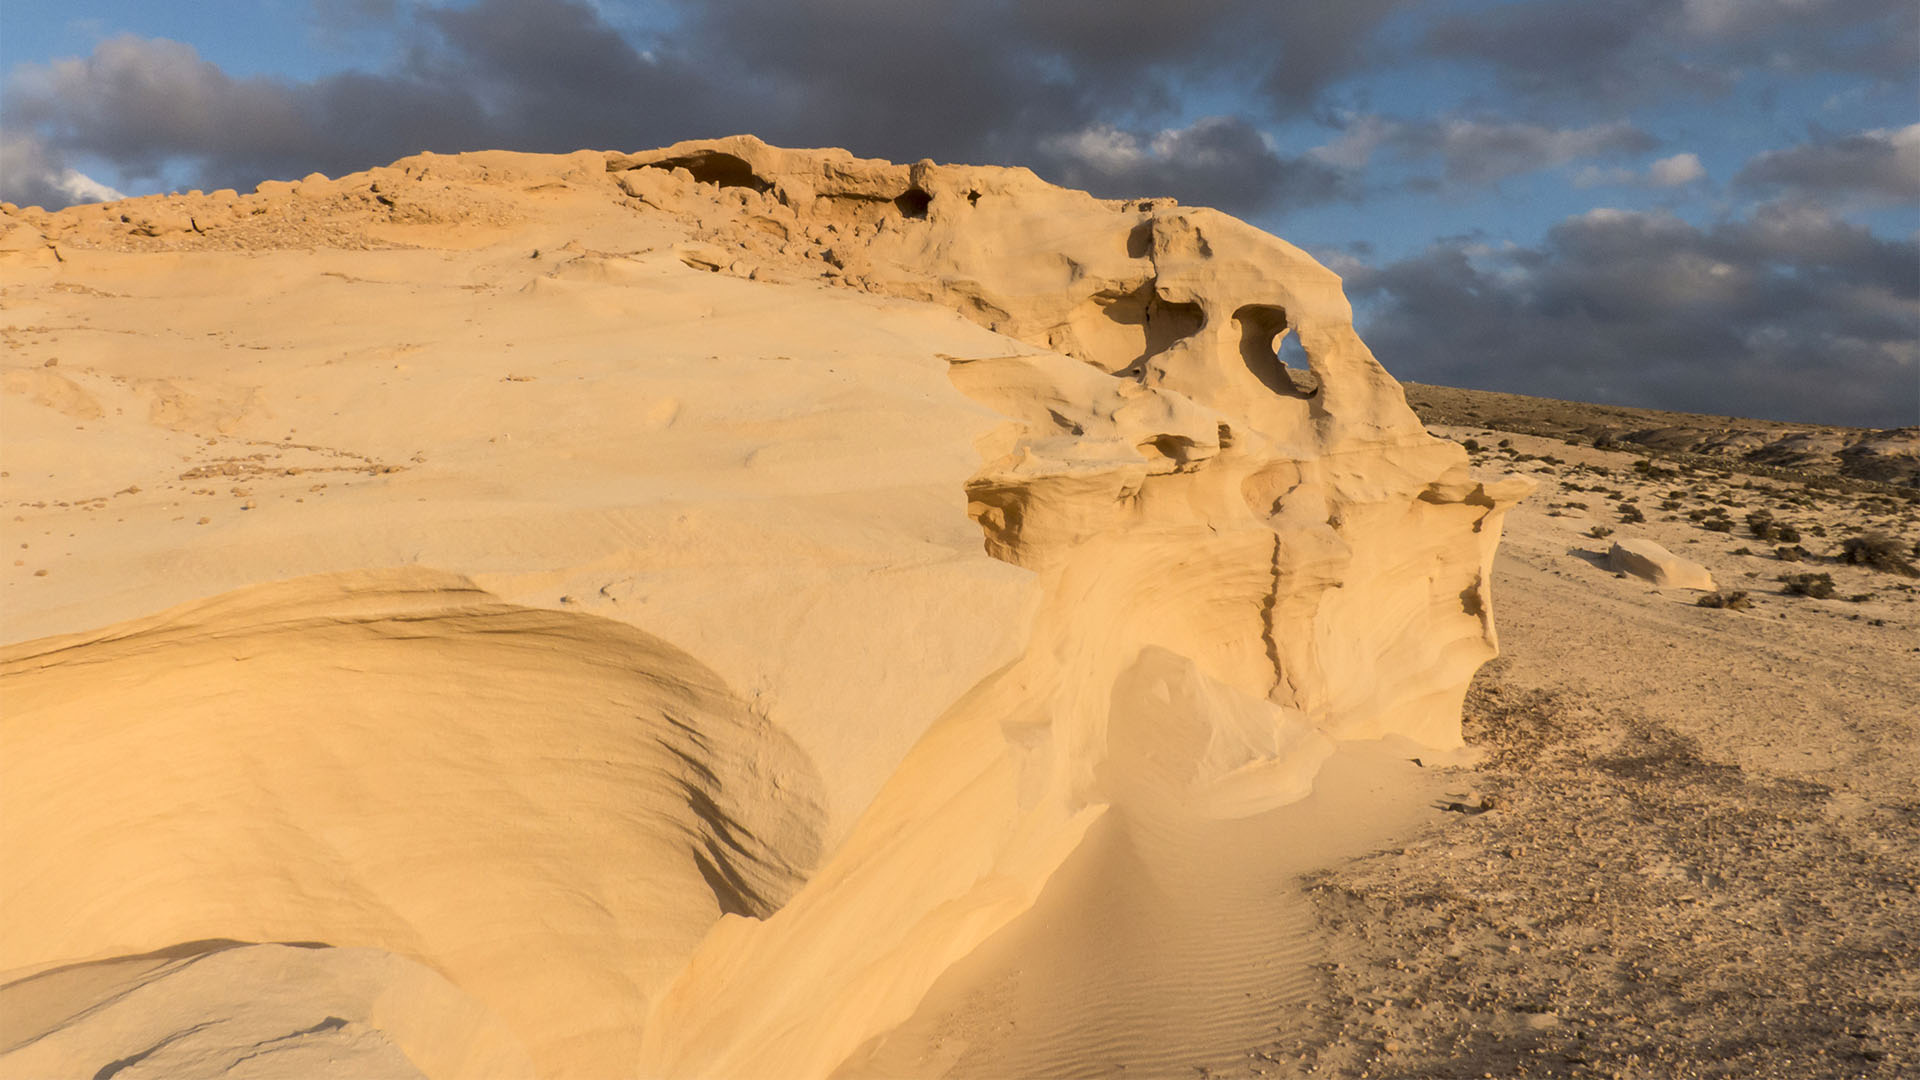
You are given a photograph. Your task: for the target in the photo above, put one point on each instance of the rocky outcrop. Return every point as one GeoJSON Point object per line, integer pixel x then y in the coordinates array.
{"type": "Point", "coordinates": [797, 631]}
{"type": "Point", "coordinates": [1292, 534]}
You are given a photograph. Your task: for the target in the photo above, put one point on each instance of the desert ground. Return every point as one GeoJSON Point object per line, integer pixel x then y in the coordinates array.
{"type": "Point", "coordinates": [723, 611]}
{"type": "Point", "coordinates": [1702, 852]}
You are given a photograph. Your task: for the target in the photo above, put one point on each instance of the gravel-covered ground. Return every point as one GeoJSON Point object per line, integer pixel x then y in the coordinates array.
{"type": "Point", "coordinates": [1692, 847]}
{"type": "Point", "coordinates": [1629, 906]}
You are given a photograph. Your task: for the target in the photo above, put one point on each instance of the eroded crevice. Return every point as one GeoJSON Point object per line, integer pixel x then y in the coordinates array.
{"type": "Point", "coordinates": [716, 168]}
{"type": "Point", "coordinates": [1269, 613]}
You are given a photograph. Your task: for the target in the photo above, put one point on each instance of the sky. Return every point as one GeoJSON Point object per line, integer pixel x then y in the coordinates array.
{"type": "Point", "coordinates": [1705, 205]}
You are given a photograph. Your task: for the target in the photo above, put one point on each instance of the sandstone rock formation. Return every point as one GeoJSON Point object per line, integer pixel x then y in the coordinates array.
{"type": "Point", "coordinates": [1645, 559]}
{"type": "Point", "coordinates": [637, 666]}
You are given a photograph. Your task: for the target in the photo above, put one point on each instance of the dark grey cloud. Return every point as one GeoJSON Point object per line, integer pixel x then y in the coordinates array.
{"type": "Point", "coordinates": [980, 80]}
{"type": "Point", "coordinates": [143, 103]}
{"type": "Point", "coordinates": [1789, 313]}
{"type": "Point", "coordinates": [1640, 49]}
{"type": "Point", "coordinates": [1880, 166]}
{"type": "Point", "coordinates": [1219, 161]}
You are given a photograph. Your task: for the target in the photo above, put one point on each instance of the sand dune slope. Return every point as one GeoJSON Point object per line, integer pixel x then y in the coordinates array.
{"type": "Point", "coordinates": [694, 602]}
{"type": "Point", "coordinates": [399, 761]}
{"type": "Point", "coordinates": [223, 1009]}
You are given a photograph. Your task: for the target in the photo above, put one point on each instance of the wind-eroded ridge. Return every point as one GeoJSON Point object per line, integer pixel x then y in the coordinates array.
{"type": "Point", "coordinates": [821, 551]}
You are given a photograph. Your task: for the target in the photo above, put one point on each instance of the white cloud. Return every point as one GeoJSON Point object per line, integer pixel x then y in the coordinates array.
{"type": "Point", "coordinates": [1101, 146]}
{"type": "Point", "coordinates": [1676, 171]}
{"type": "Point", "coordinates": [30, 175]}
{"type": "Point", "coordinates": [83, 188]}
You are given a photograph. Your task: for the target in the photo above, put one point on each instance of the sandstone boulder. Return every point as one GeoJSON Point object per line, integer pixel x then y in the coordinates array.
{"type": "Point", "coordinates": [1646, 559]}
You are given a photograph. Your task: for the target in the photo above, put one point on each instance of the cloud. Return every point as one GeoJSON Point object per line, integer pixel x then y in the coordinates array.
{"type": "Point", "coordinates": [979, 80]}
{"type": "Point", "coordinates": [1676, 171]}
{"type": "Point", "coordinates": [1480, 150]}
{"type": "Point", "coordinates": [1642, 49]}
{"type": "Point", "coordinates": [1878, 165]}
{"type": "Point", "coordinates": [1667, 172]}
{"type": "Point", "coordinates": [1788, 313]}
{"type": "Point", "coordinates": [144, 104]}
{"type": "Point", "coordinates": [29, 176]}
{"type": "Point", "coordinates": [1218, 161]}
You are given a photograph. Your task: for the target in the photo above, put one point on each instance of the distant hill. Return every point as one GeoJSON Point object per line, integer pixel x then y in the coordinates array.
{"type": "Point", "coordinates": [1766, 447]}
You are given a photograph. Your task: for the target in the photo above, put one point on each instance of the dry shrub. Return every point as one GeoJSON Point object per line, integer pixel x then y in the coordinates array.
{"type": "Point", "coordinates": [1817, 586]}
{"type": "Point", "coordinates": [1879, 551]}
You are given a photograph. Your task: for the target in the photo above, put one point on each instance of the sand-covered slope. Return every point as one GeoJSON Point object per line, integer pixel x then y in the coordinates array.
{"type": "Point", "coordinates": [668, 614]}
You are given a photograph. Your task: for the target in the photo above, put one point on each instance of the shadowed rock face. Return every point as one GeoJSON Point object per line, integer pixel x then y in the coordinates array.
{"type": "Point", "coordinates": [1271, 557]}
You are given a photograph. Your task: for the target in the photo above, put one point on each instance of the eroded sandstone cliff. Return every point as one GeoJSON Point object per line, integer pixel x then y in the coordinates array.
{"type": "Point", "coordinates": [656, 688]}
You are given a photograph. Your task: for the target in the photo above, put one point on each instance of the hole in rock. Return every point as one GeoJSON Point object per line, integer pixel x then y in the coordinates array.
{"type": "Point", "coordinates": [1267, 347]}
{"type": "Point", "coordinates": [973, 198]}
{"type": "Point", "coordinates": [721, 170]}
{"type": "Point", "coordinates": [913, 203]}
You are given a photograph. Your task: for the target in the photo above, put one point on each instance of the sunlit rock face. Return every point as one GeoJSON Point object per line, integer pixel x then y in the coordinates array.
{"type": "Point", "coordinates": [710, 638]}
{"type": "Point", "coordinates": [1316, 562]}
